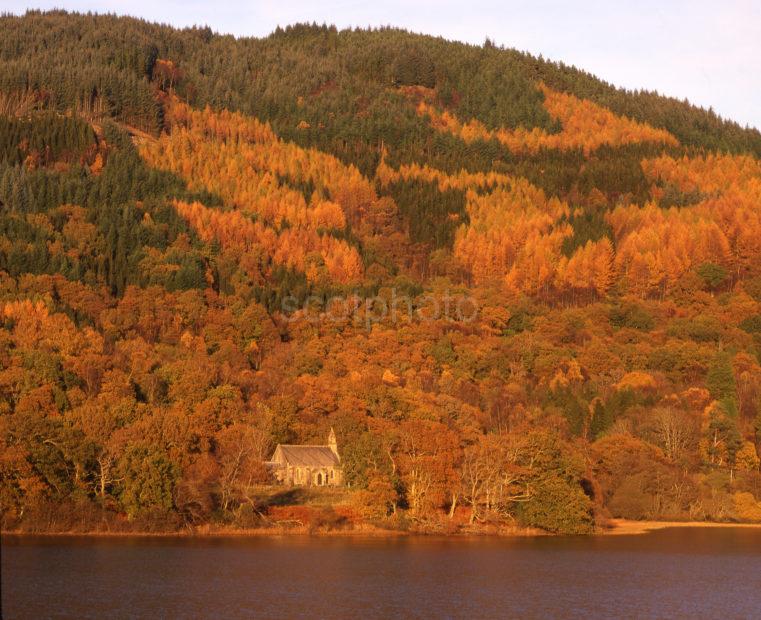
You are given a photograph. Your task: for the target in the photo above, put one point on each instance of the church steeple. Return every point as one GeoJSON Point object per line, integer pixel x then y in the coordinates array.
{"type": "Point", "coordinates": [332, 444]}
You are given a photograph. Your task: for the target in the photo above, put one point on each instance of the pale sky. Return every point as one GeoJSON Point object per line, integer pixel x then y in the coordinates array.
{"type": "Point", "coordinates": [706, 51]}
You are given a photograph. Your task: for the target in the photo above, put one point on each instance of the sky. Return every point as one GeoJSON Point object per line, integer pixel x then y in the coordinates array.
{"type": "Point", "coordinates": [706, 51]}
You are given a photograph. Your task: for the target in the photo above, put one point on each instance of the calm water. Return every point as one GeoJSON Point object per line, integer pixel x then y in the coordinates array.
{"type": "Point", "coordinates": [685, 573]}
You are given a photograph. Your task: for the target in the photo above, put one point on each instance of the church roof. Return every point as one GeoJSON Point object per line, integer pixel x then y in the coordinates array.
{"type": "Point", "coordinates": [306, 456]}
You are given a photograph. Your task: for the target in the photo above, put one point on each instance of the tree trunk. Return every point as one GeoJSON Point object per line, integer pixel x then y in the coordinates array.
{"type": "Point", "coordinates": [453, 507]}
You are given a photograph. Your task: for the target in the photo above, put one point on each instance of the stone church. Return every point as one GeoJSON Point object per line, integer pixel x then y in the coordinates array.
{"type": "Point", "coordinates": [307, 465]}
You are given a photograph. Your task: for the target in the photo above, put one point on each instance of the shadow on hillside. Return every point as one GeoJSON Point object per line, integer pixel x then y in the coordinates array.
{"type": "Point", "coordinates": [287, 497]}
{"type": "Point", "coordinates": [300, 496]}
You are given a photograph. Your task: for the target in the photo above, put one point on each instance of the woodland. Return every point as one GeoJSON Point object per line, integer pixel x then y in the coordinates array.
{"type": "Point", "coordinates": [180, 210]}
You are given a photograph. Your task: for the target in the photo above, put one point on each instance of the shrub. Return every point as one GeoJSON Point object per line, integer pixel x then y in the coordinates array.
{"type": "Point", "coordinates": [633, 316]}
{"type": "Point", "coordinates": [149, 480]}
{"type": "Point", "coordinates": [747, 507]}
{"type": "Point", "coordinates": [712, 275]}
{"type": "Point", "coordinates": [630, 500]}
{"type": "Point", "coordinates": [700, 329]}
{"type": "Point", "coordinates": [752, 324]}
{"type": "Point", "coordinates": [559, 507]}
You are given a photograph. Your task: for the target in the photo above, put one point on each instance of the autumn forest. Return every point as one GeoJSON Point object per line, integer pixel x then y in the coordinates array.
{"type": "Point", "coordinates": [520, 296]}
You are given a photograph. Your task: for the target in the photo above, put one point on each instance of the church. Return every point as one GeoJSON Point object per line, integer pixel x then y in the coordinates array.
{"type": "Point", "coordinates": [307, 465]}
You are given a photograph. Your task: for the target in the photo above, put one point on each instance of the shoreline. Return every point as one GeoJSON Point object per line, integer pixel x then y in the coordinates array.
{"type": "Point", "coordinates": [615, 527]}
{"type": "Point", "coordinates": [288, 533]}
{"type": "Point", "coordinates": [623, 527]}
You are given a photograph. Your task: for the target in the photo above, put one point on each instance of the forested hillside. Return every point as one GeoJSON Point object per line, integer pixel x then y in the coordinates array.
{"type": "Point", "coordinates": [517, 293]}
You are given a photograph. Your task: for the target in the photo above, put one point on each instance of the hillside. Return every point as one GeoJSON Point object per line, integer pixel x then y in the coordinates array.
{"type": "Point", "coordinates": [517, 293]}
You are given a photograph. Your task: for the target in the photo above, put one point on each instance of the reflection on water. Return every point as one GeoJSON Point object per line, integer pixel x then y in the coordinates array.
{"type": "Point", "coordinates": [692, 573]}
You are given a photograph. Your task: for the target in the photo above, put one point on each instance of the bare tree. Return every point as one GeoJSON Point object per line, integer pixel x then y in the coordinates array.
{"type": "Point", "coordinates": [241, 451]}
{"type": "Point", "coordinates": [492, 478]}
{"type": "Point", "coordinates": [674, 431]}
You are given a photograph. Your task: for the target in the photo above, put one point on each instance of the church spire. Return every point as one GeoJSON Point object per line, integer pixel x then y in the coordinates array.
{"type": "Point", "coordinates": [332, 443]}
